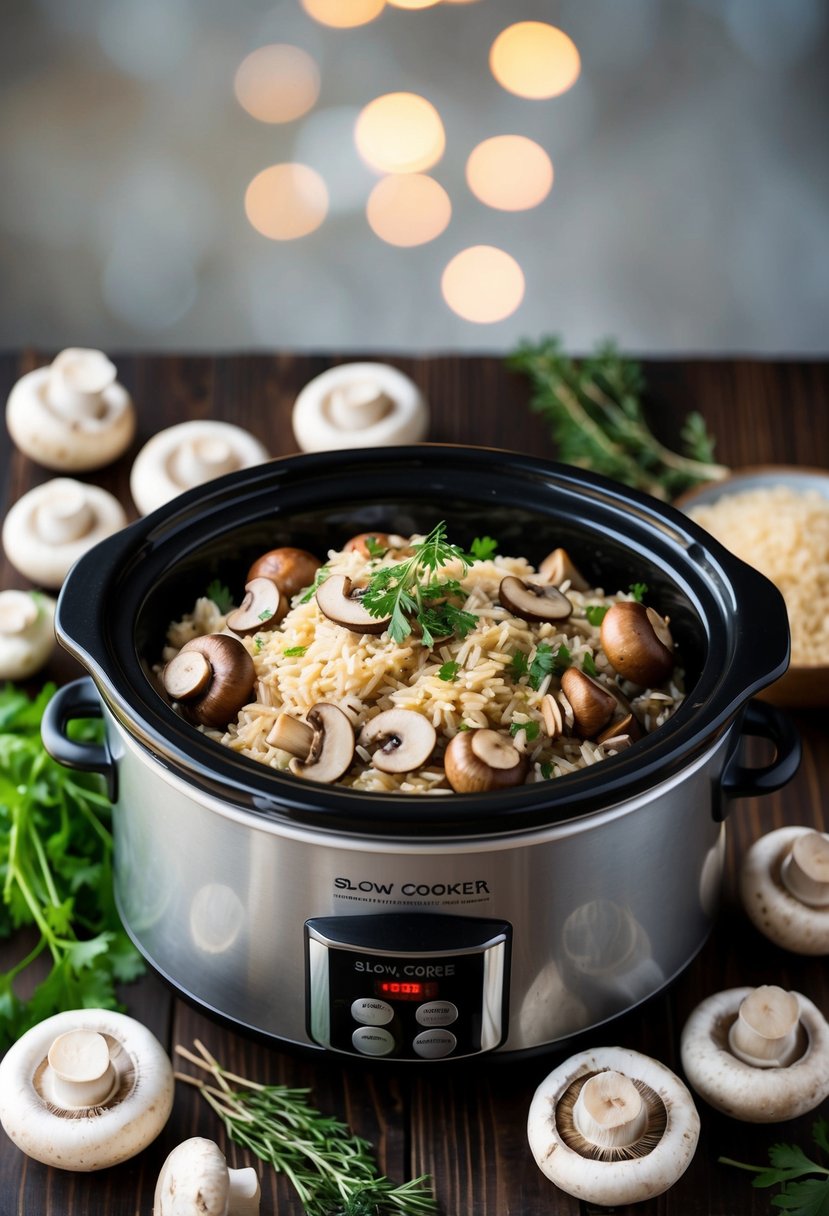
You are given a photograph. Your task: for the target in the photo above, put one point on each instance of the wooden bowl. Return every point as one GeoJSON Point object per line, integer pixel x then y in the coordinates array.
{"type": "Point", "coordinates": [802, 687]}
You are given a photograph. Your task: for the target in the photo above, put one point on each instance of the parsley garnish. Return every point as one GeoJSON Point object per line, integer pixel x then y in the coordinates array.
{"type": "Point", "coordinates": [266, 615]}
{"type": "Point", "coordinates": [548, 661]}
{"type": "Point", "coordinates": [294, 652]}
{"type": "Point", "coordinates": [258, 643]}
{"type": "Point", "coordinates": [220, 595]}
{"type": "Point", "coordinates": [638, 591]}
{"type": "Point", "coordinates": [319, 578]}
{"type": "Point", "coordinates": [448, 671]}
{"type": "Point", "coordinates": [374, 548]}
{"type": "Point", "coordinates": [588, 665]}
{"type": "Point", "coordinates": [530, 730]}
{"type": "Point", "coordinates": [799, 1195]}
{"type": "Point", "coordinates": [408, 589]}
{"type": "Point", "coordinates": [464, 726]}
{"type": "Point", "coordinates": [546, 771]}
{"type": "Point", "coordinates": [519, 665]}
{"type": "Point", "coordinates": [483, 548]}
{"type": "Point", "coordinates": [596, 613]}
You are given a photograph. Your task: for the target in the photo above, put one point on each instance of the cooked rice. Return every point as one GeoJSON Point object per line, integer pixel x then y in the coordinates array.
{"type": "Point", "coordinates": [366, 674]}
{"type": "Point", "coordinates": [784, 534]}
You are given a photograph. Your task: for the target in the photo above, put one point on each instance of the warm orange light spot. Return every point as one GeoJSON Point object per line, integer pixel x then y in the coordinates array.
{"type": "Point", "coordinates": [483, 284]}
{"type": "Point", "coordinates": [534, 60]}
{"type": "Point", "coordinates": [414, 3]}
{"type": "Point", "coordinates": [400, 133]}
{"type": "Point", "coordinates": [277, 83]}
{"type": "Point", "coordinates": [343, 14]}
{"type": "Point", "coordinates": [286, 201]}
{"type": "Point", "coordinates": [408, 209]}
{"type": "Point", "coordinates": [509, 172]}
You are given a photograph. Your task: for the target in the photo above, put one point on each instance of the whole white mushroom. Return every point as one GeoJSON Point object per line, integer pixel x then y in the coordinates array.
{"type": "Point", "coordinates": [195, 1180]}
{"type": "Point", "coordinates": [359, 405]}
{"type": "Point", "coordinates": [85, 1089]}
{"type": "Point", "coordinates": [188, 455]}
{"type": "Point", "coordinates": [48, 529]}
{"type": "Point", "coordinates": [784, 887]}
{"type": "Point", "coordinates": [27, 633]}
{"type": "Point", "coordinates": [72, 415]}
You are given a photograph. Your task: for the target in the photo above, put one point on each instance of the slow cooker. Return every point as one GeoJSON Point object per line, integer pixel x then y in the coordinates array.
{"type": "Point", "coordinates": [412, 928]}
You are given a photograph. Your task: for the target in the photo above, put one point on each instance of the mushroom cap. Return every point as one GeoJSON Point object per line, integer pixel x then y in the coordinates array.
{"type": "Point", "coordinates": [104, 1135]}
{"type": "Point", "coordinates": [638, 643]}
{"type": "Point", "coordinates": [533, 601]}
{"type": "Point", "coordinates": [771, 907]}
{"type": "Point", "coordinates": [187, 455]}
{"type": "Point", "coordinates": [27, 633]}
{"type": "Point", "coordinates": [593, 706]}
{"type": "Point", "coordinates": [231, 679]}
{"type": "Point", "coordinates": [59, 440]}
{"type": "Point", "coordinates": [754, 1095]}
{"type": "Point", "coordinates": [262, 609]}
{"type": "Point", "coordinates": [405, 737]}
{"type": "Point", "coordinates": [51, 526]}
{"type": "Point", "coordinates": [291, 569]}
{"type": "Point", "coordinates": [621, 1181]}
{"type": "Point", "coordinates": [483, 759]}
{"type": "Point", "coordinates": [332, 748]}
{"type": "Point", "coordinates": [316, 429]}
{"type": "Point", "coordinates": [336, 600]}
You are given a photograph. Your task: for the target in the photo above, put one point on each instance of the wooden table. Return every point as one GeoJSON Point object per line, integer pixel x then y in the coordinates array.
{"type": "Point", "coordinates": [465, 1125]}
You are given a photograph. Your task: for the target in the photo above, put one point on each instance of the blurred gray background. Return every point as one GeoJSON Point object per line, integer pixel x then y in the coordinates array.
{"type": "Point", "coordinates": [690, 210]}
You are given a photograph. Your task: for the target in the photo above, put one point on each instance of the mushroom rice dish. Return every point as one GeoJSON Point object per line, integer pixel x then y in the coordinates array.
{"type": "Point", "coordinates": [407, 664]}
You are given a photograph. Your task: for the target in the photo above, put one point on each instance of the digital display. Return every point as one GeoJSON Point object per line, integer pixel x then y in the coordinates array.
{"type": "Point", "coordinates": [405, 990]}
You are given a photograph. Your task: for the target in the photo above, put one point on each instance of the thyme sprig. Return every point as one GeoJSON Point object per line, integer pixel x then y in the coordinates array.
{"type": "Point", "coordinates": [595, 412]}
{"type": "Point", "coordinates": [333, 1171]}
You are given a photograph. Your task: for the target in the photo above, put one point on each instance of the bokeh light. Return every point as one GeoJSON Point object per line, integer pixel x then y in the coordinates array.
{"type": "Point", "coordinates": [343, 14]}
{"type": "Point", "coordinates": [535, 60]}
{"type": "Point", "coordinates": [277, 83]}
{"type": "Point", "coordinates": [408, 209]}
{"type": "Point", "coordinates": [286, 201]}
{"type": "Point", "coordinates": [400, 133]}
{"type": "Point", "coordinates": [413, 3]}
{"type": "Point", "coordinates": [509, 172]}
{"type": "Point", "coordinates": [483, 284]}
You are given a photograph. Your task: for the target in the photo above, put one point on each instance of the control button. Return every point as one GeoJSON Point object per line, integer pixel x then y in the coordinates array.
{"type": "Point", "coordinates": [432, 1044]}
{"type": "Point", "coordinates": [437, 1013]}
{"type": "Point", "coordinates": [372, 1042]}
{"type": "Point", "coordinates": [370, 1012]}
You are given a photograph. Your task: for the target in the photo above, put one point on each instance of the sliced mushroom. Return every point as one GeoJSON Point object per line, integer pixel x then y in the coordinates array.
{"type": "Point", "coordinates": [263, 608]}
{"type": "Point", "coordinates": [212, 676]}
{"type": "Point", "coordinates": [27, 633]}
{"type": "Point", "coordinates": [479, 760]}
{"type": "Point", "coordinates": [322, 748]}
{"type": "Point", "coordinates": [784, 886]}
{"type": "Point", "coordinates": [627, 726]}
{"type": "Point", "coordinates": [612, 1126]}
{"type": "Point", "coordinates": [638, 643]}
{"type": "Point", "coordinates": [341, 602]}
{"type": "Point", "coordinates": [557, 568]}
{"type": "Point", "coordinates": [593, 706]}
{"type": "Point", "coordinates": [760, 1055]}
{"type": "Point", "coordinates": [196, 1180]}
{"type": "Point", "coordinates": [533, 601]}
{"type": "Point", "coordinates": [406, 740]}
{"type": "Point", "coordinates": [291, 569]}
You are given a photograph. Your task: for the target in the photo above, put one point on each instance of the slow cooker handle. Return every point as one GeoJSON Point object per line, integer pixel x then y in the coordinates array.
{"type": "Point", "coordinates": [763, 721]}
{"type": "Point", "coordinates": [77, 700]}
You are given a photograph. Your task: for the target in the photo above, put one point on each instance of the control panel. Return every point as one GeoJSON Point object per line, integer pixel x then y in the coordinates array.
{"type": "Point", "coordinates": [407, 986]}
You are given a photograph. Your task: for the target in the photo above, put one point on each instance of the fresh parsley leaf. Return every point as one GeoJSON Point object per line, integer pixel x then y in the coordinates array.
{"type": "Point", "coordinates": [294, 652]}
{"type": "Point", "coordinates": [548, 661]}
{"type": "Point", "coordinates": [374, 548]}
{"type": "Point", "coordinates": [266, 615]}
{"type": "Point", "coordinates": [530, 730]}
{"type": "Point", "coordinates": [258, 643]}
{"type": "Point", "coordinates": [220, 595]}
{"type": "Point", "coordinates": [588, 665]}
{"type": "Point", "coordinates": [546, 771]}
{"type": "Point", "coordinates": [448, 671]}
{"type": "Point", "coordinates": [789, 1168]}
{"type": "Point", "coordinates": [483, 548]}
{"type": "Point", "coordinates": [464, 726]}
{"type": "Point", "coordinates": [596, 613]}
{"type": "Point", "coordinates": [519, 665]}
{"type": "Point", "coordinates": [638, 591]}
{"type": "Point", "coordinates": [319, 578]}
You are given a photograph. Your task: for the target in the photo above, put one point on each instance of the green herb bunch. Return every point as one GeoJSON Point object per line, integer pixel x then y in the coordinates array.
{"type": "Point", "coordinates": [333, 1171]}
{"type": "Point", "coordinates": [56, 874]}
{"type": "Point", "coordinates": [804, 1184]}
{"type": "Point", "coordinates": [595, 411]}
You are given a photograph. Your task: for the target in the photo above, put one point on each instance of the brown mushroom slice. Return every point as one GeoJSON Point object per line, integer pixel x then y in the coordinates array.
{"type": "Point", "coordinates": [593, 706]}
{"type": "Point", "coordinates": [291, 569]}
{"type": "Point", "coordinates": [406, 739]}
{"type": "Point", "coordinates": [263, 608]}
{"type": "Point", "coordinates": [627, 726]}
{"type": "Point", "coordinates": [638, 643]}
{"type": "Point", "coordinates": [359, 543]}
{"type": "Point", "coordinates": [322, 748]}
{"type": "Point", "coordinates": [213, 698]}
{"type": "Point", "coordinates": [341, 602]}
{"type": "Point", "coordinates": [557, 568]}
{"type": "Point", "coordinates": [479, 760]}
{"type": "Point", "coordinates": [533, 601]}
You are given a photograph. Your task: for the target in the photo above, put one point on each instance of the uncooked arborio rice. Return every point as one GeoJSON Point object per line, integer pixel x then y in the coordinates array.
{"type": "Point", "coordinates": [366, 674]}
{"type": "Point", "coordinates": [784, 534]}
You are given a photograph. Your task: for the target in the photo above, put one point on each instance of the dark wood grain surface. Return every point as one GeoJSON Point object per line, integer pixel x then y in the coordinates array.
{"type": "Point", "coordinates": [466, 1125]}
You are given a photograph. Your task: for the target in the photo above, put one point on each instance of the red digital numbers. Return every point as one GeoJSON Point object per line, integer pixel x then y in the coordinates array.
{"type": "Point", "coordinates": [405, 990]}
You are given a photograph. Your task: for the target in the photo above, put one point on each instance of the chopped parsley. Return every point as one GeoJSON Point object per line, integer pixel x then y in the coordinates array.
{"type": "Point", "coordinates": [483, 548]}
{"type": "Point", "coordinates": [374, 548]}
{"type": "Point", "coordinates": [519, 665]}
{"type": "Point", "coordinates": [266, 615]}
{"type": "Point", "coordinates": [220, 595]}
{"type": "Point", "coordinates": [448, 671]}
{"type": "Point", "coordinates": [546, 770]}
{"type": "Point", "coordinates": [319, 578]}
{"type": "Point", "coordinates": [638, 591]}
{"type": "Point", "coordinates": [464, 726]}
{"type": "Point", "coordinates": [258, 643]}
{"type": "Point", "coordinates": [294, 652]}
{"type": "Point", "coordinates": [547, 662]}
{"type": "Point", "coordinates": [530, 730]}
{"type": "Point", "coordinates": [588, 665]}
{"type": "Point", "coordinates": [596, 613]}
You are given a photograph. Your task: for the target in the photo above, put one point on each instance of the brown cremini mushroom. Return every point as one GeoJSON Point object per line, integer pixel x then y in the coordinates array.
{"type": "Point", "coordinates": [480, 760]}
{"type": "Point", "coordinates": [784, 887]}
{"type": "Point", "coordinates": [638, 643]}
{"type": "Point", "coordinates": [533, 601]}
{"type": "Point", "coordinates": [262, 609]}
{"type": "Point", "coordinates": [627, 726]}
{"type": "Point", "coordinates": [341, 602]}
{"type": "Point", "coordinates": [557, 568]}
{"type": "Point", "coordinates": [291, 569]}
{"type": "Point", "coordinates": [322, 747]}
{"type": "Point", "coordinates": [359, 543]}
{"type": "Point", "coordinates": [593, 706]}
{"type": "Point", "coordinates": [406, 740]}
{"type": "Point", "coordinates": [212, 677]}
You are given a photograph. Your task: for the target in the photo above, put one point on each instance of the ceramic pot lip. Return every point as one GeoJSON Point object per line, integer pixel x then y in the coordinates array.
{"type": "Point", "coordinates": [740, 613]}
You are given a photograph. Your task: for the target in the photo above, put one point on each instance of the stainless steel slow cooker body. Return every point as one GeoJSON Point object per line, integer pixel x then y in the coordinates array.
{"type": "Point", "coordinates": [418, 928]}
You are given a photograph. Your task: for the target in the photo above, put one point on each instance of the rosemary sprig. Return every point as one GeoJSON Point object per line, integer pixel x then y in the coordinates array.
{"type": "Point", "coordinates": [594, 409]}
{"type": "Point", "coordinates": [333, 1171]}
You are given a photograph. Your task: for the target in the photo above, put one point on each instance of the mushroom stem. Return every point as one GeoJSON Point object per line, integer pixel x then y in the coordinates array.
{"type": "Point", "coordinates": [243, 1195]}
{"type": "Point", "coordinates": [291, 735]}
{"type": "Point", "coordinates": [18, 612]}
{"type": "Point", "coordinates": [64, 514]}
{"type": "Point", "coordinates": [82, 1074]}
{"type": "Point", "coordinates": [201, 459]}
{"type": "Point", "coordinates": [360, 404]}
{"type": "Point", "coordinates": [77, 379]}
{"type": "Point", "coordinates": [609, 1111]}
{"type": "Point", "coordinates": [765, 1032]}
{"type": "Point", "coordinates": [805, 871]}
